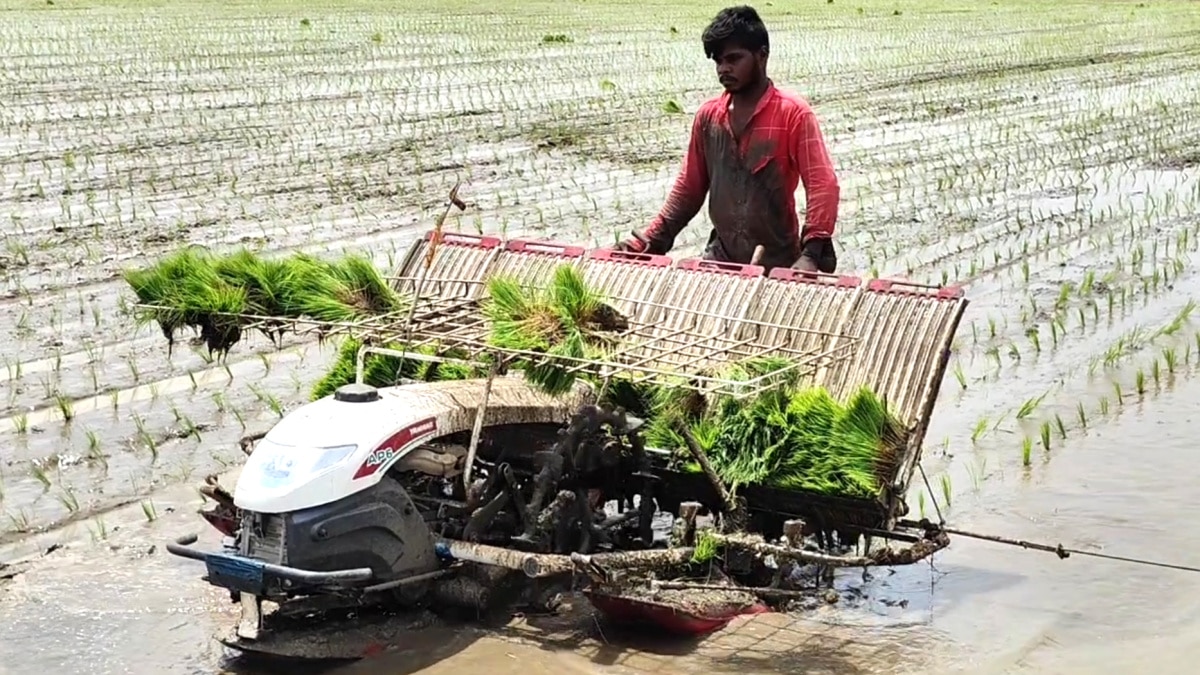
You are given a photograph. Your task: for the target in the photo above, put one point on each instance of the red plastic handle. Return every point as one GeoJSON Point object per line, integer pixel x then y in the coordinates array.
{"type": "Point", "coordinates": [648, 259]}
{"type": "Point", "coordinates": [798, 276]}
{"type": "Point", "coordinates": [902, 287]}
{"type": "Point", "coordinates": [737, 269]}
{"type": "Point", "coordinates": [460, 239]}
{"type": "Point", "coordinates": [547, 247]}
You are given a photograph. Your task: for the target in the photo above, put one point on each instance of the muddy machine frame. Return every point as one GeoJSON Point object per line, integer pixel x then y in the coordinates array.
{"type": "Point", "coordinates": [436, 492]}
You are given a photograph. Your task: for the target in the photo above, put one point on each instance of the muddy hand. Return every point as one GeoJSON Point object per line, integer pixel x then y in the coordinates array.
{"type": "Point", "coordinates": [805, 263]}
{"type": "Point", "coordinates": [635, 243]}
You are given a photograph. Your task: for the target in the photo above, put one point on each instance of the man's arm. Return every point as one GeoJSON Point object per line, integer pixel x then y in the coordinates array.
{"type": "Point", "coordinates": [821, 190]}
{"type": "Point", "coordinates": [684, 202]}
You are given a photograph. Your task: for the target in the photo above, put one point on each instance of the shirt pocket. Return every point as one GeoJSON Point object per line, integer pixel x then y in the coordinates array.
{"type": "Point", "coordinates": [764, 153]}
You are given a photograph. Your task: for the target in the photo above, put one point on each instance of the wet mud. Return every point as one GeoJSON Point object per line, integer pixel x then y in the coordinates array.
{"type": "Point", "coordinates": [1046, 163]}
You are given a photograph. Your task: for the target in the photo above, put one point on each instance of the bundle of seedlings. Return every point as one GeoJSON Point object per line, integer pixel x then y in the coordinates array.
{"type": "Point", "coordinates": [561, 324]}
{"type": "Point", "coordinates": [196, 288]}
{"type": "Point", "coordinates": [386, 370]}
{"type": "Point", "coordinates": [788, 436]}
{"type": "Point", "coordinates": [184, 289]}
{"type": "Point", "coordinates": [679, 403]}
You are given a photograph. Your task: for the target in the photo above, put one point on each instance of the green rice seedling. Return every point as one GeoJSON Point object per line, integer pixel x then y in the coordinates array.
{"type": "Point", "coordinates": [1156, 373]}
{"type": "Point", "coordinates": [99, 531]}
{"type": "Point", "coordinates": [1027, 451]}
{"type": "Point", "coordinates": [1089, 280]}
{"type": "Point", "coordinates": [20, 521]}
{"type": "Point", "coordinates": [1139, 380]}
{"type": "Point", "coordinates": [994, 353]}
{"type": "Point", "coordinates": [39, 474]}
{"type": "Point", "coordinates": [21, 423]}
{"type": "Point", "coordinates": [1064, 297]}
{"type": "Point", "coordinates": [947, 492]}
{"type": "Point", "coordinates": [185, 289]}
{"type": "Point", "coordinates": [1033, 338]}
{"type": "Point", "coordinates": [1170, 357]}
{"type": "Point", "coordinates": [67, 498]}
{"type": "Point", "coordinates": [979, 430]}
{"type": "Point", "coordinates": [1081, 414]}
{"type": "Point", "coordinates": [1044, 431]}
{"type": "Point", "coordinates": [149, 510]}
{"type": "Point", "coordinates": [1058, 424]}
{"type": "Point", "coordinates": [960, 376]}
{"type": "Point", "coordinates": [1029, 407]}
{"type": "Point", "coordinates": [1103, 405]}
{"type": "Point", "coordinates": [1119, 394]}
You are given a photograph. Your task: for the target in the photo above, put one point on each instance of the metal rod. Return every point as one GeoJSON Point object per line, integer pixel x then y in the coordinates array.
{"type": "Point", "coordinates": [396, 583]}
{"type": "Point", "coordinates": [1058, 549]}
{"type": "Point", "coordinates": [478, 428]}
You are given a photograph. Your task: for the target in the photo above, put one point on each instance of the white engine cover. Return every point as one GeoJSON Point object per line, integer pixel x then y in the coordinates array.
{"type": "Point", "coordinates": [329, 449]}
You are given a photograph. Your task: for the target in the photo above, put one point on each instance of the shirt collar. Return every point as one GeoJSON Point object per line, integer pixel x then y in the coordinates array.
{"type": "Point", "coordinates": [763, 101]}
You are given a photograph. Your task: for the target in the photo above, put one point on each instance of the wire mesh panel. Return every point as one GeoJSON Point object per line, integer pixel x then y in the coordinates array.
{"type": "Point", "coordinates": [702, 300]}
{"type": "Point", "coordinates": [532, 263]}
{"type": "Point", "coordinates": [455, 265]}
{"type": "Point", "coordinates": [629, 281]}
{"type": "Point", "coordinates": [810, 311]}
{"type": "Point", "coordinates": [636, 351]}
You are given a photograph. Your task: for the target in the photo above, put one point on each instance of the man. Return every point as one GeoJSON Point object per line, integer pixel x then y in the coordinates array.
{"type": "Point", "coordinates": [749, 149]}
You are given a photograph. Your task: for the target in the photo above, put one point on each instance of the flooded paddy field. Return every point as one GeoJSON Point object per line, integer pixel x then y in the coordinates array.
{"type": "Point", "coordinates": [1043, 157]}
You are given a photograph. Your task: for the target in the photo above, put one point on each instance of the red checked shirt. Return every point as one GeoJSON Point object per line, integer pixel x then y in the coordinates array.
{"type": "Point", "coordinates": [751, 182]}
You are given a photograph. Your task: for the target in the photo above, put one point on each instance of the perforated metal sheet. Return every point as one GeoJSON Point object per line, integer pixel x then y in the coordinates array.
{"type": "Point", "coordinates": [628, 281]}
{"type": "Point", "coordinates": [905, 335]}
{"type": "Point", "coordinates": [823, 306]}
{"type": "Point", "coordinates": [458, 260]}
{"type": "Point", "coordinates": [533, 262]}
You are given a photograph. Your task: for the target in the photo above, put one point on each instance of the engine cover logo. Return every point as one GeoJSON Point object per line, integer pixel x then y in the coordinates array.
{"type": "Point", "coordinates": [395, 444]}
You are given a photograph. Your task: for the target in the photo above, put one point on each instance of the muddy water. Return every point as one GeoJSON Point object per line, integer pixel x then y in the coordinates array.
{"type": "Point", "coordinates": [117, 607]}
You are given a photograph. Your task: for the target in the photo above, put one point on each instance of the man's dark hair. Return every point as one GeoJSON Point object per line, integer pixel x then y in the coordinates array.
{"type": "Point", "coordinates": [739, 26]}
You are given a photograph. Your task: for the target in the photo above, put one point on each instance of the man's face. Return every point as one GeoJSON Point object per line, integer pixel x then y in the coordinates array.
{"type": "Point", "coordinates": [737, 68]}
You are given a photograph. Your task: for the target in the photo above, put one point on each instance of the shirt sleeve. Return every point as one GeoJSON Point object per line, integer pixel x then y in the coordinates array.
{"type": "Point", "coordinates": [821, 190]}
{"type": "Point", "coordinates": [687, 195]}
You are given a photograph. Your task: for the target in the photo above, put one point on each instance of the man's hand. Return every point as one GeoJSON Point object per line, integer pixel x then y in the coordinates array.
{"type": "Point", "coordinates": [818, 255]}
{"type": "Point", "coordinates": [805, 263]}
{"type": "Point", "coordinates": [635, 243]}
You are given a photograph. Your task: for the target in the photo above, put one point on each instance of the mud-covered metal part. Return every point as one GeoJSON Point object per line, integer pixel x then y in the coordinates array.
{"type": "Point", "coordinates": [931, 541]}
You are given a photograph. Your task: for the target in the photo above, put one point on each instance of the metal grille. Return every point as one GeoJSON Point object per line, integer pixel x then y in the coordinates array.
{"type": "Point", "coordinates": [263, 537]}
